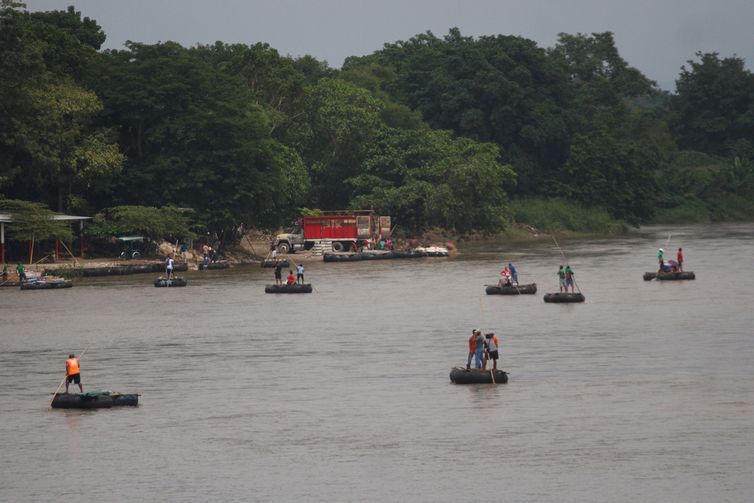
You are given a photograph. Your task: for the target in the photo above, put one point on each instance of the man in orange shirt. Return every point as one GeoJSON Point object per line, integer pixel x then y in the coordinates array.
{"type": "Point", "coordinates": [72, 372]}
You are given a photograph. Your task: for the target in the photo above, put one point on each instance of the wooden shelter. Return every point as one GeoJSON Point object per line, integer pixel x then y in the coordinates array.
{"type": "Point", "coordinates": [6, 218]}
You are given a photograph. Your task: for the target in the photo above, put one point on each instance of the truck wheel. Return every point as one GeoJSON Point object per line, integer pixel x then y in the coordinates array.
{"type": "Point", "coordinates": [337, 246]}
{"type": "Point", "coordinates": [283, 248]}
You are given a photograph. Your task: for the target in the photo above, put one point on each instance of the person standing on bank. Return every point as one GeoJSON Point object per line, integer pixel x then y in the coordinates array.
{"type": "Point", "coordinates": [491, 350]}
{"type": "Point", "coordinates": [300, 273]}
{"type": "Point", "coordinates": [21, 273]}
{"type": "Point", "coordinates": [72, 372]}
{"type": "Point", "coordinates": [680, 259]}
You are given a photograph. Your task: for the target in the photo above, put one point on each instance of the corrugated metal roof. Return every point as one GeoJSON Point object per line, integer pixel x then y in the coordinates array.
{"type": "Point", "coordinates": [7, 218]}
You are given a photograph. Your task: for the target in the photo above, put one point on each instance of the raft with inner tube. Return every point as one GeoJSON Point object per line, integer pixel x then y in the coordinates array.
{"type": "Point", "coordinates": [669, 276]}
{"type": "Point", "coordinates": [94, 400]}
{"type": "Point", "coordinates": [177, 281]}
{"type": "Point", "coordinates": [294, 288]}
{"type": "Point", "coordinates": [371, 255]}
{"type": "Point", "coordinates": [46, 285]}
{"type": "Point", "coordinates": [223, 264]}
{"type": "Point", "coordinates": [462, 375]}
{"type": "Point", "coordinates": [512, 290]}
{"type": "Point", "coordinates": [119, 270]}
{"type": "Point", "coordinates": [274, 262]}
{"type": "Point", "coordinates": [564, 297]}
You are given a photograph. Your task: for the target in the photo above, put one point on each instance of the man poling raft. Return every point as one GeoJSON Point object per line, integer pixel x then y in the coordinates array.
{"type": "Point", "coordinates": [566, 279]}
{"type": "Point", "coordinates": [670, 270]}
{"type": "Point", "coordinates": [72, 372]}
{"type": "Point", "coordinates": [91, 400]}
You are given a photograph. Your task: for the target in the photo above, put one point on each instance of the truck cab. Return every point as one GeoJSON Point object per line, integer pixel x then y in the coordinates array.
{"type": "Point", "coordinates": [291, 241]}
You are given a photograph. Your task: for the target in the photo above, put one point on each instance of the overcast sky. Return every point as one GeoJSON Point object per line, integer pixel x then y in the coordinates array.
{"type": "Point", "coordinates": [655, 36]}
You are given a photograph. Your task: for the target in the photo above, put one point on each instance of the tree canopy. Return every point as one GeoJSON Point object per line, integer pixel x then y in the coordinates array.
{"type": "Point", "coordinates": [437, 131]}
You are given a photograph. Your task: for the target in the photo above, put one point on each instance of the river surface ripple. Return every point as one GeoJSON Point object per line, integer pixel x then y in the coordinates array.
{"type": "Point", "coordinates": [643, 393]}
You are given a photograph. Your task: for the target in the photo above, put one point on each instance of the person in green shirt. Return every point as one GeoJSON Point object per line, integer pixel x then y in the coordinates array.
{"type": "Point", "coordinates": [5, 272]}
{"type": "Point", "coordinates": [21, 272]}
{"type": "Point", "coordinates": [660, 253]}
{"type": "Point", "coordinates": [568, 278]}
{"type": "Point", "coordinates": [561, 279]}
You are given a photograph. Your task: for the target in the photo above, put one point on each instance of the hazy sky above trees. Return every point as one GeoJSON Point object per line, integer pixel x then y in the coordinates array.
{"type": "Point", "coordinates": [655, 36]}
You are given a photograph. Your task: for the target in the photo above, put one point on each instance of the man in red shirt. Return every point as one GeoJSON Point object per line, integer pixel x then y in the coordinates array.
{"type": "Point", "coordinates": [680, 259]}
{"type": "Point", "coordinates": [472, 348]}
{"type": "Point", "coordinates": [290, 280]}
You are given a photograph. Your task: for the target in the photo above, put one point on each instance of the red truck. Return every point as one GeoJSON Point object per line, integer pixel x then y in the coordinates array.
{"type": "Point", "coordinates": [337, 229]}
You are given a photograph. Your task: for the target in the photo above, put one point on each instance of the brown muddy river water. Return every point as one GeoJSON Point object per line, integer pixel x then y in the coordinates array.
{"type": "Point", "coordinates": [643, 393]}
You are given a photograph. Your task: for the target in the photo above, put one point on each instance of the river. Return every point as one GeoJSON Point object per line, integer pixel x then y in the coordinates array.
{"type": "Point", "coordinates": [643, 393]}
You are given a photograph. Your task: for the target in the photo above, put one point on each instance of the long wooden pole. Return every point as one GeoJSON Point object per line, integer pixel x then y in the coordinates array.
{"type": "Point", "coordinates": [64, 378]}
{"type": "Point", "coordinates": [31, 250]}
{"type": "Point", "coordinates": [567, 264]}
{"type": "Point", "coordinates": [75, 262]}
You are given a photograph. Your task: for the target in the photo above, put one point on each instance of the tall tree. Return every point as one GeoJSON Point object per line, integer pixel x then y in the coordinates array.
{"type": "Point", "coordinates": [47, 116]}
{"type": "Point", "coordinates": [428, 178]}
{"type": "Point", "coordinates": [333, 134]}
{"type": "Point", "coordinates": [194, 137]}
{"type": "Point", "coordinates": [713, 110]}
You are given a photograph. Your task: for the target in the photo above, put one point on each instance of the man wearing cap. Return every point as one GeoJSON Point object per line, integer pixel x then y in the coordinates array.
{"type": "Point", "coordinates": [491, 350]}
{"type": "Point", "coordinates": [660, 252]}
{"type": "Point", "coordinates": [72, 372]}
{"type": "Point", "coordinates": [472, 348]}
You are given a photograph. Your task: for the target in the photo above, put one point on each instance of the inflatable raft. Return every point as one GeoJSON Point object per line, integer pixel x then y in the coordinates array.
{"type": "Point", "coordinates": [121, 270]}
{"type": "Point", "coordinates": [462, 375]}
{"type": "Point", "coordinates": [223, 264]}
{"type": "Point", "coordinates": [512, 290]}
{"type": "Point", "coordinates": [274, 262]}
{"type": "Point", "coordinates": [177, 281]}
{"type": "Point", "coordinates": [93, 400]}
{"type": "Point", "coordinates": [294, 288]}
{"type": "Point", "coordinates": [564, 297]}
{"type": "Point", "coordinates": [669, 276]}
{"type": "Point", "coordinates": [434, 251]}
{"type": "Point", "coordinates": [371, 255]}
{"type": "Point", "coordinates": [41, 284]}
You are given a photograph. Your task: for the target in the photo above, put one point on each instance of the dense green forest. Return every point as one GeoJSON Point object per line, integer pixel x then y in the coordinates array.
{"type": "Point", "coordinates": [463, 133]}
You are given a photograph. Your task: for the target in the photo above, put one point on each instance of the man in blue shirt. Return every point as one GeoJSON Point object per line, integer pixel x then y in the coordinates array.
{"type": "Point", "coordinates": [514, 273]}
{"type": "Point", "coordinates": [300, 273]}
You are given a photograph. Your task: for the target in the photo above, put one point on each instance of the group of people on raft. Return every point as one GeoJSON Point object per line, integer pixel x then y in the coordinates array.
{"type": "Point", "coordinates": [670, 265]}
{"type": "Point", "coordinates": [290, 280]}
{"type": "Point", "coordinates": [483, 348]}
{"type": "Point", "coordinates": [508, 276]}
{"type": "Point", "coordinates": [565, 278]}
